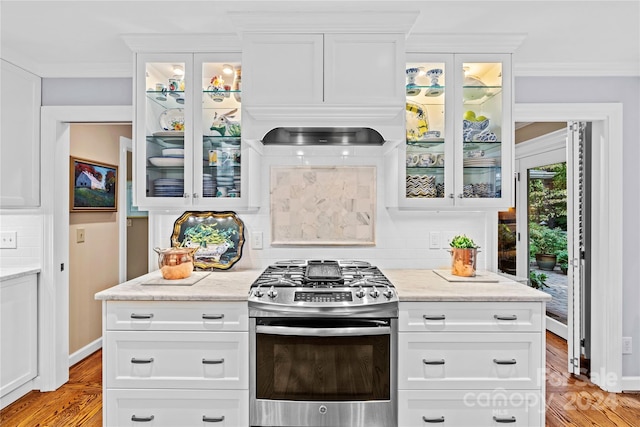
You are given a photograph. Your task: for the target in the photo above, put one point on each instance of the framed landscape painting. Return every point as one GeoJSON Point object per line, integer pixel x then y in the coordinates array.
{"type": "Point", "coordinates": [93, 186]}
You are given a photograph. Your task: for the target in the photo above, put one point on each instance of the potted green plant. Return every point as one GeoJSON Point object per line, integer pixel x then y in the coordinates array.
{"type": "Point", "coordinates": [464, 252]}
{"type": "Point", "coordinates": [545, 243]}
{"type": "Point", "coordinates": [563, 260]}
{"type": "Point", "coordinates": [537, 280]}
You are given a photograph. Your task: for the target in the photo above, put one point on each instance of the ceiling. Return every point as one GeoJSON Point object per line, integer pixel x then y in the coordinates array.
{"type": "Point", "coordinates": [84, 38]}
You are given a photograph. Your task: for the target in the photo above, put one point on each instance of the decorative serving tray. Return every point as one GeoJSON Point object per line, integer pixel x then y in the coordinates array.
{"type": "Point", "coordinates": [219, 237]}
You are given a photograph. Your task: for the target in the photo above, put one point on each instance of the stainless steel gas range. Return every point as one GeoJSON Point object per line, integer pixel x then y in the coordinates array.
{"type": "Point", "coordinates": [323, 345]}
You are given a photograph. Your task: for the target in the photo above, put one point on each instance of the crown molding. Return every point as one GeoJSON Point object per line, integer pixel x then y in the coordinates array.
{"type": "Point", "coordinates": [576, 69]}
{"type": "Point", "coordinates": [464, 42]}
{"type": "Point", "coordinates": [162, 43]}
{"type": "Point", "coordinates": [324, 22]}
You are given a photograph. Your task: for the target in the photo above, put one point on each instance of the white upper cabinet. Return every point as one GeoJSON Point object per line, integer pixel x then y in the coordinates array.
{"type": "Point", "coordinates": [20, 136]}
{"type": "Point", "coordinates": [458, 150]}
{"type": "Point", "coordinates": [323, 69]}
{"type": "Point", "coordinates": [188, 146]}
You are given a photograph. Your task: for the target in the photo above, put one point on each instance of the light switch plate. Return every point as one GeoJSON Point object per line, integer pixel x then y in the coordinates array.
{"type": "Point", "coordinates": [80, 235]}
{"type": "Point", "coordinates": [256, 240]}
{"type": "Point", "coordinates": [8, 240]}
{"type": "Point", "coordinates": [627, 347]}
{"type": "Point", "coordinates": [434, 240]}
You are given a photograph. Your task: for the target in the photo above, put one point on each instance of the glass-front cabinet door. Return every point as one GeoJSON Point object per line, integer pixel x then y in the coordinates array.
{"type": "Point", "coordinates": [163, 127]}
{"type": "Point", "coordinates": [188, 129]}
{"type": "Point", "coordinates": [428, 155]}
{"type": "Point", "coordinates": [458, 132]}
{"type": "Point", "coordinates": [218, 150]}
{"type": "Point", "coordinates": [484, 128]}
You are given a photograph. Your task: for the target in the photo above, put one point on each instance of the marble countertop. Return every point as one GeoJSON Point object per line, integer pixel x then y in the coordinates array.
{"type": "Point", "coordinates": [7, 273]}
{"type": "Point", "coordinates": [411, 285]}
{"type": "Point", "coordinates": [426, 285]}
{"type": "Point", "coordinates": [219, 285]}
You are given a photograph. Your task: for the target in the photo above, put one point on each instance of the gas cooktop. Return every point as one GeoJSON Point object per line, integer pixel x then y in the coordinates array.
{"type": "Point", "coordinates": [329, 286]}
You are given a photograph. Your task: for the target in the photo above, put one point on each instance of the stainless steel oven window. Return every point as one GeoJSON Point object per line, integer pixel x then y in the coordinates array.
{"type": "Point", "coordinates": [323, 360]}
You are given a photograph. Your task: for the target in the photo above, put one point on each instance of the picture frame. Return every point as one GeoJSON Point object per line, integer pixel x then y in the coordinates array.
{"type": "Point", "coordinates": [93, 186]}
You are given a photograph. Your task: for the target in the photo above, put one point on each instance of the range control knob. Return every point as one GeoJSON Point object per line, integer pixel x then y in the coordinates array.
{"type": "Point", "coordinates": [375, 293]}
{"type": "Point", "coordinates": [360, 292]}
{"type": "Point", "coordinates": [272, 293]}
{"type": "Point", "coordinates": [258, 292]}
{"type": "Point", "coordinates": [388, 293]}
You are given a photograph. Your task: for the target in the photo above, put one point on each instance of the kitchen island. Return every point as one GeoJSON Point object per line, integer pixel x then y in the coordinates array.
{"type": "Point", "coordinates": [470, 353]}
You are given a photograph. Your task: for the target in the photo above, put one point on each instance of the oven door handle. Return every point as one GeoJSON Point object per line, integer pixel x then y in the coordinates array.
{"type": "Point", "coordinates": [323, 332]}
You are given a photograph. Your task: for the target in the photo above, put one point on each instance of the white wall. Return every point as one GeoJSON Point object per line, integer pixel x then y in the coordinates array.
{"type": "Point", "coordinates": [29, 228]}
{"type": "Point", "coordinates": [625, 90]}
{"type": "Point", "coordinates": [402, 237]}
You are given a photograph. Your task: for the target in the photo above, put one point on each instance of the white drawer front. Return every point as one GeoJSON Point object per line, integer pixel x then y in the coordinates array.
{"type": "Point", "coordinates": [214, 360]}
{"type": "Point", "coordinates": [470, 408]}
{"type": "Point", "coordinates": [468, 361]}
{"type": "Point", "coordinates": [470, 316]}
{"type": "Point", "coordinates": [172, 408]}
{"type": "Point", "coordinates": [177, 315]}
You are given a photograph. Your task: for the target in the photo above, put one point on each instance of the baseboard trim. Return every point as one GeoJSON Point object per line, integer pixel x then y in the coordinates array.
{"type": "Point", "coordinates": [85, 351]}
{"type": "Point", "coordinates": [16, 394]}
{"type": "Point", "coordinates": [630, 384]}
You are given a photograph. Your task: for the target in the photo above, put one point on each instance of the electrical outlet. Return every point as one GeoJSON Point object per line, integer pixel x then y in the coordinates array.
{"type": "Point", "coordinates": [256, 240]}
{"type": "Point", "coordinates": [434, 240]}
{"type": "Point", "coordinates": [447, 237]}
{"type": "Point", "coordinates": [9, 240]}
{"type": "Point", "coordinates": [627, 345]}
{"type": "Point", "coordinates": [80, 235]}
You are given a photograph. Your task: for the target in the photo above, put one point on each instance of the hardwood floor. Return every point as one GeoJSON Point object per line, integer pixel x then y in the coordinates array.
{"type": "Point", "coordinates": [571, 400]}
{"type": "Point", "coordinates": [575, 401]}
{"type": "Point", "coordinates": [76, 403]}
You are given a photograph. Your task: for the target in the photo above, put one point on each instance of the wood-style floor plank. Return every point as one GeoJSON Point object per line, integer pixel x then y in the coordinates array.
{"type": "Point", "coordinates": [571, 400]}
{"type": "Point", "coordinates": [76, 403]}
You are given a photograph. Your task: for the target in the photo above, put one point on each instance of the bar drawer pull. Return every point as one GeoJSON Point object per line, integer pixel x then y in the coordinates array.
{"type": "Point", "coordinates": [512, 317]}
{"type": "Point", "coordinates": [433, 361]}
{"type": "Point", "coordinates": [212, 420]}
{"type": "Point", "coordinates": [212, 361]}
{"type": "Point", "coordinates": [504, 362]}
{"type": "Point", "coordinates": [433, 420]}
{"type": "Point", "coordinates": [504, 420]}
{"type": "Point", "coordinates": [141, 361]}
{"type": "Point", "coordinates": [213, 316]}
{"type": "Point", "coordinates": [142, 419]}
{"type": "Point", "coordinates": [141, 316]}
{"type": "Point", "coordinates": [431, 317]}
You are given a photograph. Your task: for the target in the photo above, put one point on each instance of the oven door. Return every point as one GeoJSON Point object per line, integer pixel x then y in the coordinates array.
{"type": "Point", "coordinates": [323, 372]}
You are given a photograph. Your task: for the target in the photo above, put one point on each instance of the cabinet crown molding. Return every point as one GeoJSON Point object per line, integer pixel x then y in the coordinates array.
{"type": "Point", "coordinates": [174, 43]}
{"type": "Point", "coordinates": [324, 22]}
{"type": "Point", "coordinates": [464, 42]}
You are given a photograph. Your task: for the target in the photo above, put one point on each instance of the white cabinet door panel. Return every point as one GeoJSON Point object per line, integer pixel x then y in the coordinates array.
{"type": "Point", "coordinates": [20, 138]}
{"type": "Point", "coordinates": [18, 332]}
{"type": "Point", "coordinates": [171, 408]}
{"type": "Point", "coordinates": [470, 316]}
{"type": "Point", "coordinates": [172, 316]}
{"type": "Point", "coordinates": [177, 360]}
{"type": "Point", "coordinates": [282, 69]}
{"type": "Point", "coordinates": [469, 408]}
{"type": "Point", "coordinates": [364, 68]}
{"type": "Point", "coordinates": [468, 361]}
